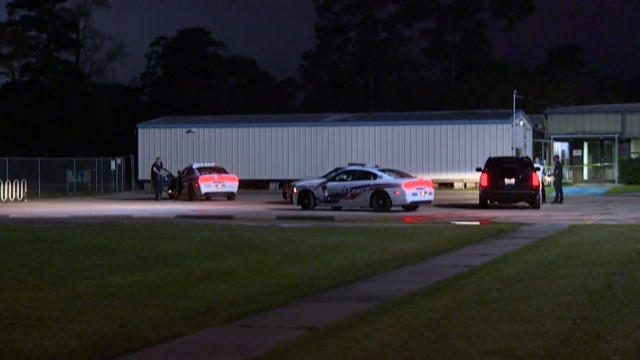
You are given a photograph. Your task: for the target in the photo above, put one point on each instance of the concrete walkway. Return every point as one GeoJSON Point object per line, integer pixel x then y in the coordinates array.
{"type": "Point", "coordinates": [251, 336]}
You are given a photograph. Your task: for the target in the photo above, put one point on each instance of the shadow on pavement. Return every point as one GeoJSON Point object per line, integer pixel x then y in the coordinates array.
{"type": "Point", "coordinates": [519, 206]}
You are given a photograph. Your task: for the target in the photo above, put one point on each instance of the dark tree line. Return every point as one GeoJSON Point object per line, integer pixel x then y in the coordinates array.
{"type": "Point", "coordinates": [369, 55]}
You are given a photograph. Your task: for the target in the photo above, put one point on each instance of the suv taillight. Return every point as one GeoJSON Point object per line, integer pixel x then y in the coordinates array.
{"type": "Point", "coordinates": [535, 180]}
{"type": "Point", "coordinates": [484, 180]}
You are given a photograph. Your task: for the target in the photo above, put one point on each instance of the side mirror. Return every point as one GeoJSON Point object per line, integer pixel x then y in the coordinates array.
{"type": "Point", "coordinates": [478, 169]}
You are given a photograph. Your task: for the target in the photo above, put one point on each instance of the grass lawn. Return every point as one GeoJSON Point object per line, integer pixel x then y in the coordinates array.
{"type": "Point", "coordinates": [574, 295]}
{"type": "Point", "coordinates": [97, 291]}
{"type": "Point", "coordinates": [623, 189]}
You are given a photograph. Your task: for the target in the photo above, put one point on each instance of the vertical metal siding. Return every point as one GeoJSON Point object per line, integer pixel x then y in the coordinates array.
{"type": "Point", "coordinates": [448, 151]}
{"type": "Point", "coordinates": [632, 125]}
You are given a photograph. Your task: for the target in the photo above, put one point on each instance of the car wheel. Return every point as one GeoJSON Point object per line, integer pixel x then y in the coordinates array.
{"type": "Point", "coordinates": [231, 197]}
{"type": "Point", "coordinates": [483, 202]}
{"type": "Point", "coordinates": [535, 203]}
{"type": "Point", "coordinates": [380, 201]}
{"type": "Point", "coordinates": [171, 194]}
{"type": "Point", "coordinates": [306, 200]}
{"type": "Point", "coordinates": [411, 207]}
{"type": "Point", "coordinates": [192, 193]}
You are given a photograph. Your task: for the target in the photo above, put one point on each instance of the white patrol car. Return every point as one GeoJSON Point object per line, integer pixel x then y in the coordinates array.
{"type": "Point", "coordinates": [205, 180]}
{"type": "Point", "coordinates": [362, 186]}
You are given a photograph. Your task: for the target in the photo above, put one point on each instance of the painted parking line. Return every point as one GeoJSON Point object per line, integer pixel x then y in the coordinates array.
{"type": "Point", "coordinates": [594, 220]}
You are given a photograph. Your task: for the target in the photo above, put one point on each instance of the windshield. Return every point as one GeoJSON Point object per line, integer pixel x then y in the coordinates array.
{"type": "Point", "coordinates": [212, 170]}
{"type": "Point", "coordinates": [397, 174]}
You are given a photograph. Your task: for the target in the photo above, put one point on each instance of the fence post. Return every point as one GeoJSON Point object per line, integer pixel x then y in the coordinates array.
{"type": "Point", "coordinates": [122, 174]}
{"type": "Point", "coordinates": [39, 195]}
{"type": "Point", "coordinates": [133, 169]}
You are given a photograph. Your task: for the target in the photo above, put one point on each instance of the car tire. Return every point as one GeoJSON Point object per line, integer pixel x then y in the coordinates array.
{"type": "Point", "coordinates": [172, 195]}
{"type": "Point", "coordinates": [483, 203]}
{"type": "Point", "coordinates": [306, 200]}
{"type": "Point", "coordinates": [231, 197]}
{"type": "Point", "coordinates": [410, 207]}
{"type": "Point", "coordinates": [191, 193]}
{"type": "Point", "coordinates": [380, 202]}
{"type": "Point", "coordinates": [535, 203]}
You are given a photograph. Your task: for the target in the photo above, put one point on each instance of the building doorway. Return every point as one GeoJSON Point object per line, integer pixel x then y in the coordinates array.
{"type": "Point", "coordinates": [588, 159]}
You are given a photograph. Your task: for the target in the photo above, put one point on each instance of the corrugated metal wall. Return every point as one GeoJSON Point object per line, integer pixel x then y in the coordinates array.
{"type": "Point", "coordinates": [632, 125]}
{"type": "Point", "coordinates": [561, 124]}
{"type": "Point", "coordinates": [266, 153]}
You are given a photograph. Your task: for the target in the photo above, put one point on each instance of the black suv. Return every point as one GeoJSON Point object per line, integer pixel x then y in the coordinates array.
{"type": "Point", "coordinates": [508, 180]}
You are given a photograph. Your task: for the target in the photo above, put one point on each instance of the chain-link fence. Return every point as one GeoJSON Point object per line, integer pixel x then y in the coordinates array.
{"type": "Point", "coordinates": [52, 177]}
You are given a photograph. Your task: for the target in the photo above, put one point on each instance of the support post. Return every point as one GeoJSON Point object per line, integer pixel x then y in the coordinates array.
{"type": "Point", "coordinates": [615, 159]}
{"type": "Point", "coordinates": [513, 125]}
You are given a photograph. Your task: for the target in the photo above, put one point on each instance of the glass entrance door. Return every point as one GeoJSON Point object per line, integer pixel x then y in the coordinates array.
{"type": "Point", "coordinates": [598, 166]}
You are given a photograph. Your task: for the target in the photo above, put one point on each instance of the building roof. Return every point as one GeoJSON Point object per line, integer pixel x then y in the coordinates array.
{"type": "Point", "coordinates": [593, 109]}
{"type": "Point", "coordinates": [328, 119]}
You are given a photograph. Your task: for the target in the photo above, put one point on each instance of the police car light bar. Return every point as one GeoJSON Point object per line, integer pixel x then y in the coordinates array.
{"type": "Point", "coordinates": [203, 164]}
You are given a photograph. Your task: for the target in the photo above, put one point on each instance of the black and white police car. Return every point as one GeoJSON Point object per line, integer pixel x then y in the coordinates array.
{"type": "Point", "coordinates": [287, 189]}
{"type": "Point", "coordinates": [204, 180]}
{"type": "Point", "coordinates": [364, 187]}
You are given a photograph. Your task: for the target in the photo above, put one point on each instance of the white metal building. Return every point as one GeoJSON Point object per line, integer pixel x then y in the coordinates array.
{"type": "Point", "coordinates": [444, 146]}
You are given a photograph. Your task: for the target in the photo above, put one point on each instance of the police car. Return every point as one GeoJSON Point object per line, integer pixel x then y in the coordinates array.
{"type": "Point", "coordinates": [364, 187]}
{"type": "Point", "coordinates": [204, 180]}
{"type": "Point", "coordinates": [287, 189]}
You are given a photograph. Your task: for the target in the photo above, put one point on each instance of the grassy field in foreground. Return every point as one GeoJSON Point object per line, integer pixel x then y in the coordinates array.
{"type": "Point", "coordinates": [575, 295]}
{"type": "Point", "coordinates": [96, 291]}
{"type": "Point", "coordinates": [624, 189]}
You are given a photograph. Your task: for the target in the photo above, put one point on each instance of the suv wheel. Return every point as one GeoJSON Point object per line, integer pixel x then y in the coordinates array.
{"type": "Point", "coordinates": [535, 203]}
{"type": "Point", "coordinates": [483, 202]}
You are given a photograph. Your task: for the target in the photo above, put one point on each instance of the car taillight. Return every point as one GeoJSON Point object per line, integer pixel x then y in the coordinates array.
{"type": "Point", "coordinates": [535, 180]}
{"type": "Point", "coordinates": [417, 183]}
{"type": "Point", "coordinates": [484, 180]}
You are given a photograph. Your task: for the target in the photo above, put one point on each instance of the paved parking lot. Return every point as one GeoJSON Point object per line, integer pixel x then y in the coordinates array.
{"type": "Point", "coordinates": [449, 206]}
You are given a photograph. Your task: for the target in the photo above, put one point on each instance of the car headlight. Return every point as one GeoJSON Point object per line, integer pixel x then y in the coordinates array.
{"type": "Point", "coordinates": [295, 190]}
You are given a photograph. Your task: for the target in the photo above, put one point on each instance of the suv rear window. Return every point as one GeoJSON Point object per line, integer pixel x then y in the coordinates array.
{"type": "Point", "coordinates": [212, 170]}
{"type": "Point", "coordinates": [508, 163]}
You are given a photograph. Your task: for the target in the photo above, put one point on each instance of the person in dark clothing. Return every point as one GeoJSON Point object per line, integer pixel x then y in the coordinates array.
{"type": "Point", "coordinates": [557, 180]}
{"type": "Point", "coordinates": [156, 177]}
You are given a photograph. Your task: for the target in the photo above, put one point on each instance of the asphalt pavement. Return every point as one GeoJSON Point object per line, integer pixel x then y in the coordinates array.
{"type": "Point", "coordinates": [269, 206]}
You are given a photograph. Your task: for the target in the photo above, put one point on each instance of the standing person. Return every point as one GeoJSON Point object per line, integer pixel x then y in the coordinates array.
{"type": "Point", "coordinates": [156, 176]}
{"type": "Point", "coordinates": [536, 163]}
{"type": "Point", "coordinates": [557, 180]}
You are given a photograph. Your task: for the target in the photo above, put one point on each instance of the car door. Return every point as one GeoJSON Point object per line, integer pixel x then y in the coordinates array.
{"type": "Point", "coordinates": [359, 192]}
{"type": "Point", "coordinates": [336, 189]}
{"type": "Point", "coordinates": [186, 179]}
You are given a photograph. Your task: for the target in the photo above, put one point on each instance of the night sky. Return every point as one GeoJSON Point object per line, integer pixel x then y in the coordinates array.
{"type": "Point", "coordinates": [276, 32]}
